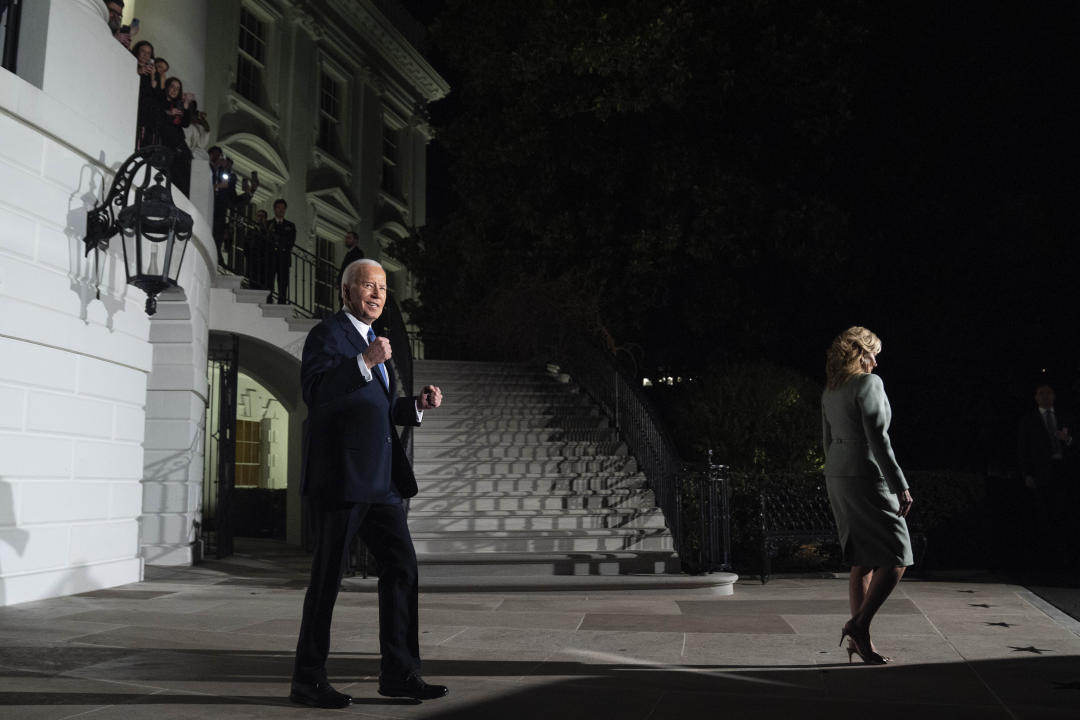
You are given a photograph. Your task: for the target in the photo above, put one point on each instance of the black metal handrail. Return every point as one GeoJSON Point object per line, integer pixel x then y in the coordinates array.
{"type": "Point", "coordinates": [313, 291]}
{"type": "Point", "coordinates": [245, 251]}
{"type": "Point", "coordinates": [694, 499]}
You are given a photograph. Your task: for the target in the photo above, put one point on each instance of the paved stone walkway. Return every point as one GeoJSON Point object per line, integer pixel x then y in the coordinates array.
{"type": "Point", "coordinates": [216, 641]}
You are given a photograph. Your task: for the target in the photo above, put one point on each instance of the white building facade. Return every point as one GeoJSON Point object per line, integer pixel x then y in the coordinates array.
{"type": "Point", "coordinates": [103, 409]}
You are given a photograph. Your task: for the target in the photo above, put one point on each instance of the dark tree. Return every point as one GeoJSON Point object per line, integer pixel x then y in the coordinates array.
{"type": "Point", "coordinates": [705, 181]}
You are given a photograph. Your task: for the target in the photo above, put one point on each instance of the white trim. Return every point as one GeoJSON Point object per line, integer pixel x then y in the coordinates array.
{"type": "Point", "coordinates": [236, 101]}
{"type": "Point", "coordinates": [276, 172]}
{"type": "Point", "coordinates": [334, 205]}
{"type": "Point", "coordinates": [264, 10]}
{"type": "Point", "coordinates": [392, 46]}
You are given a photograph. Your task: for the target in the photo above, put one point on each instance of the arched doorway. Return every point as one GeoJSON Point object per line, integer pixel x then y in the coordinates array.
{"type": "Point", "coordinates": [253, 431]}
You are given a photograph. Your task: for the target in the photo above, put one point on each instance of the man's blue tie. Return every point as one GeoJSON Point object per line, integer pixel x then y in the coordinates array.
{"type": "Point", "coordinates": [379, 367]}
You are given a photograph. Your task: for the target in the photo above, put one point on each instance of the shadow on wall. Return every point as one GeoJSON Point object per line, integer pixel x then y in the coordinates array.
{"type": "Point", "coordinates": [89, 272]}
{"type": "Point", "coordinates": [177, 468]}
{"type": "Point", "coordinates": [12, 539]}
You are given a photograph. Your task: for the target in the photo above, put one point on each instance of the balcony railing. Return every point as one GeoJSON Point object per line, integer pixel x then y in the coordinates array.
{"type": "Point", "coordinates": [313, 292]}
{"type": "Point", "coordinates": [245, 251]}
{"type": "Point", "coordinates": [694, 499]}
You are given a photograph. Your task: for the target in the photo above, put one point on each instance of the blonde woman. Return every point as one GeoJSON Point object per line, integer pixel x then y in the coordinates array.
{"type": "Point", "coordinates": [867, 489]}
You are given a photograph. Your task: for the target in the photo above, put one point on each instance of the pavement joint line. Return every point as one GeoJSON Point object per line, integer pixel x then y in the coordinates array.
{"type": "Point", "coordinates": [970, 666]}
{"type": "Point", "coordinates": [1052, 611]}
{"type": "Point", "coordinates": [626, 660]}
{"type": "Point", "coordinates": [448, 639]}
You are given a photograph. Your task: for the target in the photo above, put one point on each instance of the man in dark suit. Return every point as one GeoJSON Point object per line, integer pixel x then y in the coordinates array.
{"type": "Point", "coordinates": [356, 474]}
{"type": "Point", "coordinates": [1045, 451]}
{"type": "Point", "coordinates": [282, 237]}
{"type": "Point", "coordinates": [352, 253]}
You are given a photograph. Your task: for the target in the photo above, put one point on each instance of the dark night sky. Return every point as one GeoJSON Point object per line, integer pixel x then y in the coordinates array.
{"type": "Point", "coordinates": [969, 146]}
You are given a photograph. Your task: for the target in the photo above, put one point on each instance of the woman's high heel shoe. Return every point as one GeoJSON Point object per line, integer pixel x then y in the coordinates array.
{"type": "Point", "coordinates": [860, 645]}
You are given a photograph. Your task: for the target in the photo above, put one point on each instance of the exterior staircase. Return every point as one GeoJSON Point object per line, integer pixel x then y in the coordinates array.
{"type": "Point", "coordinates": [234, 308]}
{"type": "Point", "coordinates": [523, 481]}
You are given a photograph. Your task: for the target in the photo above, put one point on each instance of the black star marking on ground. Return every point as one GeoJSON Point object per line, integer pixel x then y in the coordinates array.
{"type": "Point", "coordinates": [1074, 685]}
{"type": "Point", "coordinates": [967, 591]}
{"type": "Point", "coordinates": [1030, 649]}
{"type": "Point", "coordinates": [982, 605]}
{"type": "Point", "coordinates": [1000, 624]}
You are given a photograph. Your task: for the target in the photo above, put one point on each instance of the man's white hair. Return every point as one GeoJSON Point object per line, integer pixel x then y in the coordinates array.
{"type": "Point", "coordinates": [350, 269]}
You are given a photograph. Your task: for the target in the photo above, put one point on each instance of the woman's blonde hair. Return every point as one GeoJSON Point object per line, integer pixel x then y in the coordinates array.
{"type": "Point", "coordinates": [845, 356]}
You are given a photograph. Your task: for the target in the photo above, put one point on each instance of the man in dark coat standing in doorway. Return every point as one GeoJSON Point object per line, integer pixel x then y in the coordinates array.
{"type": "Point", "coordinates": [356, 474]}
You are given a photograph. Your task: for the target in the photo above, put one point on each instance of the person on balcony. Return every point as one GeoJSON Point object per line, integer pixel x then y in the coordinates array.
{"type": "Point", "coordinates": [356, 474]}
{"type": "Point", "coordinates": [867, 490]}
{"type": "Point", "coordinates": [171, 116]}
{"type": "Point", "coordinates": [282, 237]}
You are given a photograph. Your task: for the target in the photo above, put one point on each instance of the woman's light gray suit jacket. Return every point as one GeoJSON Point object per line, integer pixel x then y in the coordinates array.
{"type": "Point", "coordinates": [855, 423]}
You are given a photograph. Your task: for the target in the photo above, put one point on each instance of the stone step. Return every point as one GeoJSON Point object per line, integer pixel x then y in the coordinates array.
{"type": "Point", "coordinates": [286, 312]}
{"type": "Point", "coordinates": [523, 541]}
{"type": "Point", "coordinates": [462, 521]}
{"type": "Point", "coordinates": [545, 467]}
{"type": "Point", "coordinates": [452, 410]}
{"type": "Point", "coordinates": [541, 565]}
{"type": "Point", "coordinates": [495, 374]}
{"type": "Point", "coordinates": [540, 485]}
{"type": "Point", "coordinates": [429, 435]}
{"type": "Point", "coordinates": [526, 422]}
{"type": "Point", "coordinates": [480, 365]}
{"type": "Point", "coordinates": [227, 281]}
{"type": "Point", "coordinates": [247, 295]}
{"type": "Point", "coordinates": [480, 403]}
{"type": "Point", "coordinates": [485, 383]}
{"type": "Point", "coordinates": [302, 325]}
{"type": "Point", "coordinates": [519, 465]}
{"type": "Point", "coordinates": [631, 499]}
{"type": "Point", "coordinates": [463, 450]}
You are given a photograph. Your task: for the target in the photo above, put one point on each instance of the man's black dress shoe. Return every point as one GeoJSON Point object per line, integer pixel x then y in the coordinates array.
{"type": "Point", "coordinates": [412, 686]}
{"type": "Point", "coordinates": [320, 695]}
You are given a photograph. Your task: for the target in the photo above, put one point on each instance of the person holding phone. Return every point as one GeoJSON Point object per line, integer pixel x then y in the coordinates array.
{"type": "Point", "coordinates": [148, 99]}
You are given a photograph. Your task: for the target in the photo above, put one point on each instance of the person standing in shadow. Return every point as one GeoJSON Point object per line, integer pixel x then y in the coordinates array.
{"type": "Point", "coordinates": [1045, 451]}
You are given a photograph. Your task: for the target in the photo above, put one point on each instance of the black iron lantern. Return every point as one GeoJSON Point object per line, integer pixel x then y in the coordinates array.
{"type": "Point", "coordinates": [139, 207]}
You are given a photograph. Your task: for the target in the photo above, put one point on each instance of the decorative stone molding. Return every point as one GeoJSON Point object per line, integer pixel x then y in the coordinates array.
{"type": "Point", "coordinates": [321, 158]}
{"type": "Point", "coordinates": [388, 42]}
{"type": "Point", "coordinates": [238, 102]}
{"type": "Point", "coordinates": [385, 198]}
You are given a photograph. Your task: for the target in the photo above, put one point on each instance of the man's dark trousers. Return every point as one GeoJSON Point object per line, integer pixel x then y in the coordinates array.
{"type": "Point", "coordinates": [384, 530]}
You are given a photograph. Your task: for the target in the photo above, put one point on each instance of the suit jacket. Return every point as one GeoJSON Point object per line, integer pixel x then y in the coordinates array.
{"type": "Point", "coordinates": [354, 254]}
{"type": "Point", "coordinates": [855, 425]}
{"type": "Point", "coordinates": [1033, 447]}
{"type": "Point", "coordinates": [351, 449]}
{"type": "Point", "coordinates": [281, 237]}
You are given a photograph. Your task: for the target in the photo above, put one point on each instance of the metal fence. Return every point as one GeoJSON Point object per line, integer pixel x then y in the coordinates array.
{"type": "Point", "coordinates": [693, 498]}
{"type": "Point", "coordinates": [312, 287]}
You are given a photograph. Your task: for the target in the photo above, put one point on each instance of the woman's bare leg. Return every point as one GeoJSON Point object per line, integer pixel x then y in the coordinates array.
{"type": "Point", "coordinates": [858, 583]}
{"type": "Point", "coordinates": [882, 583]}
